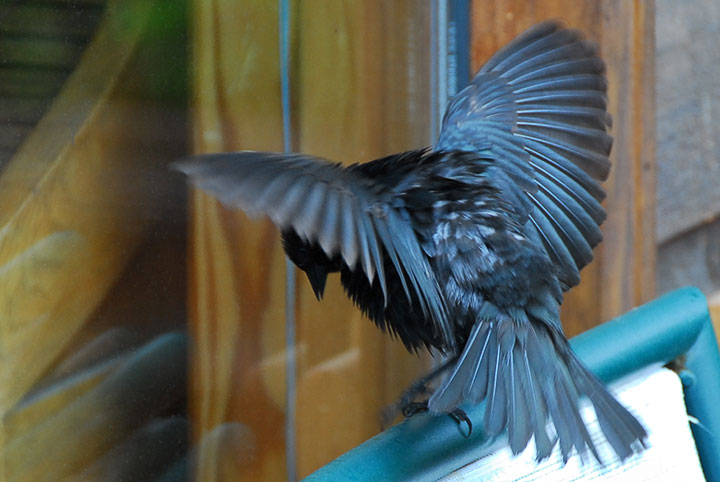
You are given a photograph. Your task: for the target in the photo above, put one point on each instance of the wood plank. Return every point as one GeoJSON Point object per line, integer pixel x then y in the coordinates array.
{"type": "Point", "coordinates": [237, 314]}
{"type": "Point", "coordinates": [622, 276]}
{"type": "Point", "coordinates": [89, 139]}
{"type": "Point", "coordinates": [359, 91]}
{"type": "Point", "coordinates": [237, 267]}
{"type": "Point", "coordinates": [354, 103]}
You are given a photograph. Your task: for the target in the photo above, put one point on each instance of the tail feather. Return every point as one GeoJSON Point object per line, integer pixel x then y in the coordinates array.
{"type": "Point", "coordinates": [537, 406]}
{"type": "Point", "coordinates": [519, 415]}
{"type": "Point", "coordinates": [561, 395]}
{"type": "Point", "coordinates": [621, 429]}
{"type": "Point", "coordinates": [527, 375]}
{"type": "Point", "coordinates": [450, 395]}
{"type": "Point", "coordinates": [570, 417]}
{"type": "Point", "coordinates": [476, 387]}
{"type": "Point", "coordinates": [495, 410]}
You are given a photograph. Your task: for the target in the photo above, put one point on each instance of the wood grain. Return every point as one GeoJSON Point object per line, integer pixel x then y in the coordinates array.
{"type": "Point", "coordinates": [623, 274]}
{"type": "Point", "coordinates": [236, 302]}
{"type": "Point", "coordinates": [358, 91]}
{"type": "Point", "coordinates": [77, 194]}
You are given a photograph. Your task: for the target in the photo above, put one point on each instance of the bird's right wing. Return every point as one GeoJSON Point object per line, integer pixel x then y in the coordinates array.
{"type": "Point", "coordinates": [538, 108]}
{"type": "Point", "coordinates": [342, 211]}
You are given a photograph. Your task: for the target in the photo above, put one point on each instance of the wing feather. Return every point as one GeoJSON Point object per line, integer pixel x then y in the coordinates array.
{"type": "Point", "coordinates": [340, 209]}
{"type": "Point", "coordinates": [538, 108]}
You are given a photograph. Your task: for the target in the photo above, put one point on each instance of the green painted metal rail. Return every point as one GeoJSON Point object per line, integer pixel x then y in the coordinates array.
{"type": "Point", "coordinates": [427, 447]}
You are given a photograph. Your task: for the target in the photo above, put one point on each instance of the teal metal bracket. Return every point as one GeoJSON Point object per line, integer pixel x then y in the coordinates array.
{"type": "Point", "coordinates": [427, 447]}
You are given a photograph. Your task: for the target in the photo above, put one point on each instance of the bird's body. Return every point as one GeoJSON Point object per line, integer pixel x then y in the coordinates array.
{"type": "Point", "coordinates": [466, 248]}
{"type": "Point", "coordinates": [468, 234]}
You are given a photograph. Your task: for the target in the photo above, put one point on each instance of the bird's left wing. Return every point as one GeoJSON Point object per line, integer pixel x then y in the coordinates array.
{"type": "Point", "coordinates": [341, 210]}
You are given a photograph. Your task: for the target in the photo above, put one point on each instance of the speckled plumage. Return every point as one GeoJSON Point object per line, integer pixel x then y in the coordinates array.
{"type": "Point", "coordinates": [467, 247]}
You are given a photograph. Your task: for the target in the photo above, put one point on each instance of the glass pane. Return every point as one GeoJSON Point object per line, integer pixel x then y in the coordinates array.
{"type": "Point", "coordinates": [93, 344]}
{"type": "Point", "coordinates": [144, 329]}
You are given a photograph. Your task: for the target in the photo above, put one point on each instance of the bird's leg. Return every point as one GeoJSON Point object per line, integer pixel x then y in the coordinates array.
{"type": "Point", "coordinates": [406, 402]}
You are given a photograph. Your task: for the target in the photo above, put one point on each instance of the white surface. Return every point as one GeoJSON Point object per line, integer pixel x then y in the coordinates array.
{"type": "Point", "coordinates": [656, 398]}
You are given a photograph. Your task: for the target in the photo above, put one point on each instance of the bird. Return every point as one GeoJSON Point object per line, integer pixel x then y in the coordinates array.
{"type": "Point", "coordinates": [466, 247]}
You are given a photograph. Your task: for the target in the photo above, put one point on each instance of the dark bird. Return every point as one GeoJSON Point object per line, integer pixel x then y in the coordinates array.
{"type": "Point", "coordinates": [466, 248]}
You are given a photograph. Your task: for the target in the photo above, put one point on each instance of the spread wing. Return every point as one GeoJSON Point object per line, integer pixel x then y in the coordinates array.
{"type": "Point", "coordinates": [342, 211]}
{"type": "Point", "coordinates": [538, 107]}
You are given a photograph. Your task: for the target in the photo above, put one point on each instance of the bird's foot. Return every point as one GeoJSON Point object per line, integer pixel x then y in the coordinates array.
{"type": "Point", "coordinates": [413, 408]}
{"type": "Point", "coordinates": [418, 388]}
{"type": "Point", "coordinates": [390, 412]}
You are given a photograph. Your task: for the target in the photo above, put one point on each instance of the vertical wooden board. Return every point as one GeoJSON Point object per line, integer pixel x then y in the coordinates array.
{"type": "Point", "coordinates": [236, 76]}
{"type": "Point", "coordinates": [360, 89]}
{"type": "Point", "coordinates": [237, 269]}
{"type": "Point", "coordinates": [622, 275]}
{"type": "Point", "coordinates": [236, 304]}
{"type": "Point", "coordinates": [629, 255]}
{"type": "Point", "coordinates": [359, 94]}
{"type": "Point", "coordinates": [333, 97]}
{"type": "Point", "coordinates": [404, 44]}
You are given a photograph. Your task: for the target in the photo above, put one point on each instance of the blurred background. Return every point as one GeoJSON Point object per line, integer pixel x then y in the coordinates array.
{"type": "Point", "coordinates": [148, 333]}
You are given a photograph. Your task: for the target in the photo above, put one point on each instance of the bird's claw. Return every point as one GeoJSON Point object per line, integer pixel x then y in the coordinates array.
{"type": "Point", "coordinates": [460, 416]}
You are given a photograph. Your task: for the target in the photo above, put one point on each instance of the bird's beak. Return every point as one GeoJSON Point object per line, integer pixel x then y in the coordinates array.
{"type": "Point", "coordinates": [317, 276]}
